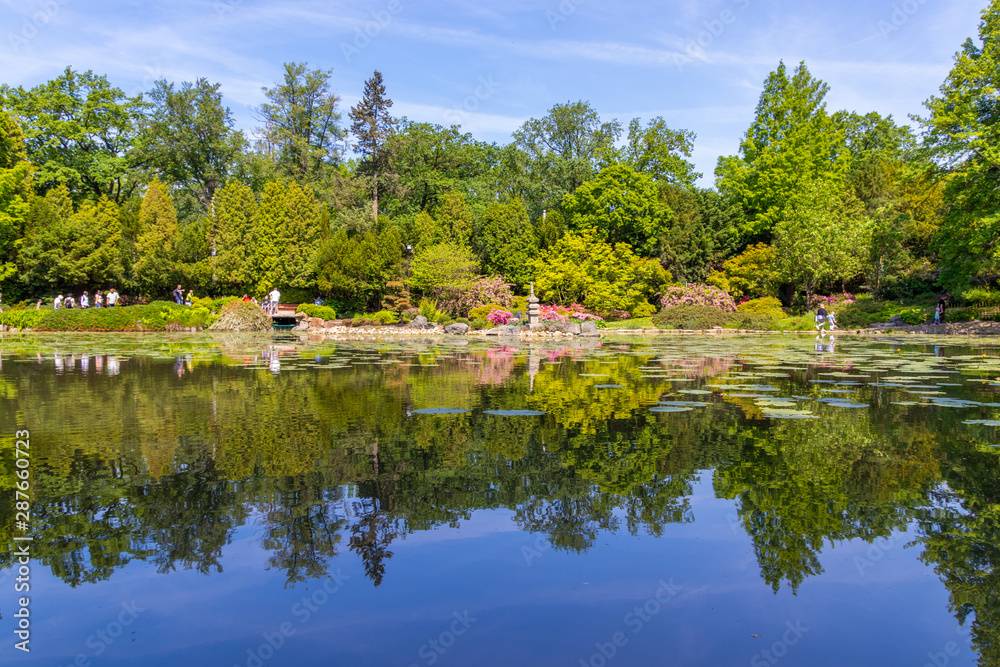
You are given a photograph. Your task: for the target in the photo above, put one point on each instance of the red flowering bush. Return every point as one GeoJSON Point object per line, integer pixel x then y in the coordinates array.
{"type": "Point", "coordinates": [817, 300]}
{"type": "Point", "coordinates": [694, 294]}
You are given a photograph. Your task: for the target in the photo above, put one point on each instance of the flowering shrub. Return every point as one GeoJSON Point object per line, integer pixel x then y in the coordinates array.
{"type": "Point", "coordinates": [694, 294]}
{"type": "Point", "coordinates": [498, 317]}
{"type": "Point", "coordinates": [482, 291]}
{"type": "Point", "coordinates": [585, 316]}
{"type": "Point", "coordinates": [817, 300]}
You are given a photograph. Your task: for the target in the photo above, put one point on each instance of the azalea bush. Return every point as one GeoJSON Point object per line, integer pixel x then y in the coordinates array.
{"type": "Point", "coordinates": [500, 317]}
{"type": "Point", "coordinates": [482, 291]}
{"type": "Point", "coordinates": [694, 294]}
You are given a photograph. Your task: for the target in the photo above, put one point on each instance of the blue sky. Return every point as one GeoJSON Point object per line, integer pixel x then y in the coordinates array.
{"type": "Point", "coordinates": [491, 65]}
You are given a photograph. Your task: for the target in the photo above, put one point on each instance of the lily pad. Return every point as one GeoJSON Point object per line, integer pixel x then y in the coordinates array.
{"type": "Point", "coordinates": [609, 386]}
{"type": "Point", "coordinates": [439, 411]}
{"type": "Point", "coordinates": [514, 413]}
{"type": "Point", "coordinates": [693, 391]}
{"type": "Point", "coordinates": [670, 408]}
{"type": "Point", "coordinates": [983, 422]}
{"type": "Point", "coordinates": [787, 413]}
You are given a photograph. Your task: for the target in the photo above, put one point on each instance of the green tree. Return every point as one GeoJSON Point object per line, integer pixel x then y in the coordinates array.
{"type": "Point", "coordinates": [792, 142]}
{"type": "Point", "coordinates": [580, 268]}
{"type": "Point", "coordinates": [373, 126]}
{"type": "Point", "coordinates": [441, 270]}
{"type": "Point", "coordinates": [963, 134]}
{"type": "Point", "coordinates": [234, 210]}
{"type": "Point", "coordinates": [155, 266]}
{"type": "Point", "coordinates": [660, 152]}
{"type": "Point", "coordinates": [302, 234]}
{"type": "Point", "coordinates": [701, 235]}
{"type": "Point", "coordinates": [15, 192]}
{"type": "Point", "coordinates": [505, 241]}
{"type": "Point", "coordinates": [355, 269]}
{"type": "Point", "coordinates": [454, 218]}
{"type": "Point", "coordinates": [753, 273]}
{"type": "Point", "coordinates": [189, 137]}
{"type": "Point", "coordinates": [300, 119]}
{"type": "Point", "coordinates": [79, 131]}
{"type": "Point", "coordinates": [621, 206]}
{"type": "Point", "coordinates": [822, 237]}
{"type": "Point", "coordinates": [267, 238]}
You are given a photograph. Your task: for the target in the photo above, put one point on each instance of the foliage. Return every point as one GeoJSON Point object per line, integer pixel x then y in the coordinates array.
{"type": "Point", "coordinates": [768, 304]}
{"type": "Point", "coordinates": [380, 318]}
{"type": "Point", "coordinates": [827, 301]}
{"type": "Point", "coordinates": [355, 269]}
{"type": "Point", "coordinates": [397, 297]}
{"type": "Point", "coordinates": [300, 130]}
{"type": "Point", "coordinates": [702, 234]}
{"type": "Point", "coordinates": [505, 241]}
{"type": "Point", "coordinates": [154, 267]}
{"type": "Point", "coordinates": [312, 310]}
{"type": "Point", "coordinates": [373, 127]}
{"type": "Point", "coordinates": [660, 152]}
{"type": "Point", "coordinates": [15, 191]}
{"type": "Point", "coordinates": [620, 205]}
{"type": "Point", "coordinates": [429, 309]}
{"type": "Point", "coordinates": [976, 296]}
{"type": "Point", "coordinates": [791, 142]}
{"type": "Point", "coordinates": [697, 295]}
{"type": "Point", "coordinates": [865, 312]}
{"type": "Point", "coordinates": [79, 131]}
{"type": "Point", "coordinates": [604, 278]}
{"type": "Point", "coordinates": [485, 290]}
{"type": "Point", "coordinates": [752, 273]}
{"type": "Point", "coordinates": [155, 316]}
{"type": "Point", "coordinates": [497, 317]}
{"type": "Point", "coordinates": [230, 231]}
{"type": "Point", "coordinates": [443, 271]}
{"type": "Point", "coordinates": [239, 315]}
{"type": "Point", "coordinates": [690, 317]}
{"type": "Point", "coordinates": [764, 320]}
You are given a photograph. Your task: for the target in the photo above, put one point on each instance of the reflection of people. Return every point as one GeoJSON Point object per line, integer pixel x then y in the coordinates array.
{"type": "Point", "coordinates": [820, 318]}
{"type": "Point", "coordinates": [832, 346]}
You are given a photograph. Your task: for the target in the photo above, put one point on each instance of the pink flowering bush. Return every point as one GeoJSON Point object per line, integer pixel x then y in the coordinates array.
{"type": "Point", "coordinates": [583, 317]}
{"type": "Point", "coordinates": [817, 300]}
{"type": "Point", "coordinates": [483, 291]}
{"type": "Point", "coordinates": [694, 294]}
{"type": "Point", "coordinates": [559, 313]}
{"type": "Point", "coordinates": [499, 317]}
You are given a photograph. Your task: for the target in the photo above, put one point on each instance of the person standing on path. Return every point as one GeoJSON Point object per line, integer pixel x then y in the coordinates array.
{"type": "Point", "coordinates": [57, 302]}
{"type": "Point", "coordinates": [112, 298]}
{"type": "Point", "coordinates": [179, 295]}
{"type": "Point", "coordinates": [274, 296]}
{"type": "Point", "coordinates": [84, 300]}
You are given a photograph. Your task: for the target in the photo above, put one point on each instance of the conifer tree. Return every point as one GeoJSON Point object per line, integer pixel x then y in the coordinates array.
{"type": "Point", "coordinates": [301, 236]}
{"type": "Point", "coordinates": [373, 127]}
{"type": "Point", "coordinates": [154, 267]}
{"type": "Point", "coordinates": [267, 239]}
{"type": "Point", "coordinates": [234, 210]}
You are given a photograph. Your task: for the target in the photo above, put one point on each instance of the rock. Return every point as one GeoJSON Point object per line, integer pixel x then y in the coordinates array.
{"type": "Point", "coordinates": [505, 330]}
{"type": "Point", "coordinates": [3, 327]}
{"type": "Point", "coordinates": [13, 329]}
{"type": "Point", "coordinates": [302, 326]}
{"type": "Point", "coordinates": [329, 324]}
{"type": "Point", "coordinates": [420, 322]}
{"type": "Point", "coordinates": [896, 319]}
{"type": "Point", "coordinates": [316, 322]}
{"type": "Point", "coordinates": [588, 328]}
{"type": "Point", "coordinates": [458, 329]}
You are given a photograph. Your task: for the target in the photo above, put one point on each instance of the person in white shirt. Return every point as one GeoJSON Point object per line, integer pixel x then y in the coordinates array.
{"type": "Point", "coordinates": [58, 302]}
{"type": "Point", "coordinates": [112, 297]}
{"type": "Point", "coordinates": [84, 300]}
{"type": "Point", "coordinates": [274, 296]}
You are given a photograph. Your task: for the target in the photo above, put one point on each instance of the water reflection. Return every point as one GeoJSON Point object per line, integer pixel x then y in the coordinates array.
{"type": "Point", "coordinates": [160, 454]}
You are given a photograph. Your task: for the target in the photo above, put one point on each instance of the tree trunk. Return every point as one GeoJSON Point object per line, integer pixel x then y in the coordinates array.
{"type": "Point", "coordinates": [375, 195]}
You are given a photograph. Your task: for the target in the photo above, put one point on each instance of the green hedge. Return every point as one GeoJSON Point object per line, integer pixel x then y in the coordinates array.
{"type": "Point", "coordinates": [155, 316]}
{"type": "Point", "coordinates": [312, 310]}
{"type": "Point", "coordinates": [754, 321]}
{"type": "Point", "coordinates": [690, 317]}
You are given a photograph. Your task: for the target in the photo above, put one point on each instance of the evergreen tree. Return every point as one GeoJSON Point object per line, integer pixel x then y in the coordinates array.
{"type": "Point", "coordinates": [267, 239]}
{"type": "Point", "coordinates": [234, 211]}
{"type": "Point", "coordinates": [505, 242]}
{"type": "Point", "coordinates": [15, 192]}
{"type": "Point", "coordinates": [455, 219]}
{"type": "Point", "coordinates": [301, 236]}
{"type": "Point", "coordinates": [373, 127]}
{"type": "Point", "coordinates": [155, 267]}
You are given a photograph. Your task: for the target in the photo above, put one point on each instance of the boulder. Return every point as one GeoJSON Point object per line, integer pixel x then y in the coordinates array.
{"type": "Point", "coordinates": [302, 326]}
{"type": "Point", "coordinates": [458, 329]}
{"type": "Point", "coordinates": [329, 324]}
{"type": "Point", "coordinates": [588, 328]}
{"type": "Point", "coordinates": [505, 330]}
{"type": "Point", "coordinates": [420, 322]}
{"type": "Point", "coordinates": [3, 327]}
{"type": "Point", "coordinates": [300, 316]}
{"type": "Point", "coordinates": [316, 322]}
{"type": "Point", "coordinates": [896, 319]}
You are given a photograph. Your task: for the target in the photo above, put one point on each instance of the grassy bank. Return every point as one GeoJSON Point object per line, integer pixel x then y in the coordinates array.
{"type": "Point", "coordinates": [155, 316]}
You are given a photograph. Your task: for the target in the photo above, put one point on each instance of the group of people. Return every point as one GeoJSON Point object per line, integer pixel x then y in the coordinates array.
{"type": "Point", "coordinates": [101, 300]}
{"type": "Point", "coordinates": [270, 303]}
{"type": "Point", "coordinates": [825, 318]}
{"type": "Point", "coordinates": [181, 299]}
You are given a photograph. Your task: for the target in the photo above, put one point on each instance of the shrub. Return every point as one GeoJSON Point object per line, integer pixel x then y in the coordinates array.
{"type": "Point", "coordinates": [312, 310]}
{"type": "Point", "coordinates": [462, 320]}
{"type": "Point", "coordinates": [689, 317]}
{"type": "Point", "coordinates": [981, 296]}
{"type": "Point", "coordinates": [498, 317]}
{"type": "Point", "coordinates": [551, 314]}
{"type": "Point", "coordinates": [754, 320]}
{"type": "Point", "coordinates": [380, 319]}
{"type": "Point", "coordinates": [768, 304]}
{"type": "Point", "coordinates": [914, 316]}
{"type": "Point", "coordinates": [155, 316]}
{"type": "Point", "coordinates": [478, 324]}
{"type": "Point", "coordinates": [694, 294]}
{"type": "Point", "coordinates": [754, 272]}
{"type": "Point", "coordinates": [481, 312]}
{"type": "Point", "coordinates": [429, 309]}
{"type": "Point", "coordinates": [490, 290]}
{"type": "Point", "coordinates": [817, 300]}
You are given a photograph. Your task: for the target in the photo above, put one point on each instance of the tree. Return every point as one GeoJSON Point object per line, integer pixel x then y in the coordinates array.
{"type": "Point", "coordinates": [355, 269]}
{"type": "Point", "coordinates": [267, 239]}
{"type": "Point", "coordinates": [79, 131]}
{"type": "Point", "coordinates": [963, 135]}
{"type": "Point", "coordinates": [301, 236]}
{"type": "Point", "coordinates": [701, 235]}
{"type": "Point", "coordinates": [155, 266]}
{"type": "Point", "coordinates": [441, 270]}
{"type": "Point", "coordinates": [621, 206]}
{"type": "Point", "coordinates": [373, 127]}
{"type": "Point", "coordinates": [188, 137]}
{"type": "Point", "coordinates": [565, 147]}
{"type": "Point", "coordinates": [792, 142]}
{"type": "Point", "coordinates": [234, 210]}
{"type": "Point", "coordinates": [581, 268]}
{"type": "Point", "coordinates": [660, 152]}
{"type": "Point", "coordinates": [15, 191]}
{"type": "Point", "coordinates": [821, 238]}
{"type": "Point", "coordinates": [505, 241]}
{"type": "Point", "coordinates": [753, 273]}
{"type": "Point", "coordinates": [300, 119]}
{"type": "Point", "coordinates": [454, 219]}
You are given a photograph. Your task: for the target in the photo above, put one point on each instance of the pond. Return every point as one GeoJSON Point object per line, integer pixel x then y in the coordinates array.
{"type": "Point", "coordinates": [232, 500]}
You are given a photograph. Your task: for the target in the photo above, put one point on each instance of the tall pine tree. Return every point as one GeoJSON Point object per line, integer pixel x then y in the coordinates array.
{"type": "Point", "coordinates": [154, 267]}
{"type": "Point", "coordinates": [234, 210]}
{"type": "Point", "coordinates": [373, 127]}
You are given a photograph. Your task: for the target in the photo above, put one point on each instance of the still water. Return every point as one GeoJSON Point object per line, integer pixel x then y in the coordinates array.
{"type": "Point", "coordinates": [241, 501]}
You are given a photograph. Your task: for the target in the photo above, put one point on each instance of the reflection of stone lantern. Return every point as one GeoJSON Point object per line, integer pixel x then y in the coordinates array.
{"type": "Point", "coordinates": [533, 308]}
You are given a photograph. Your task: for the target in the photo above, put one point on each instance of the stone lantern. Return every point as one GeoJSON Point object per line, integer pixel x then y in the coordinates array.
{"type": "Point", "coordinates": [533, 308]}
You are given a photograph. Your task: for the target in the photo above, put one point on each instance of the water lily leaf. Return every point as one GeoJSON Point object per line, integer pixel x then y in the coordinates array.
{"type": "Point", "coordinates": [439, 411]}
